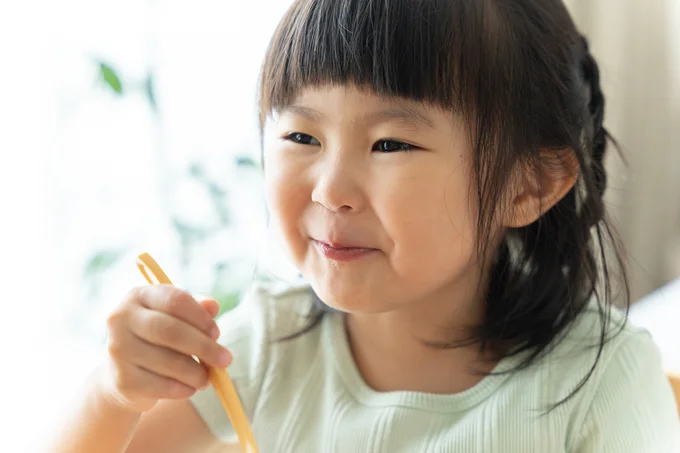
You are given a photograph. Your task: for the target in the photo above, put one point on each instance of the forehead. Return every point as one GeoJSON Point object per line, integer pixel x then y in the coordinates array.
{"type": "Point", "coordinates": [323, 103]}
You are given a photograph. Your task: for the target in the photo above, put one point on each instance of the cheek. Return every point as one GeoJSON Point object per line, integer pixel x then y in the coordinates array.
{"type": "Point", "coordinates": [287, 198]}
{"type": "Point", "coordinates": [431, 223]}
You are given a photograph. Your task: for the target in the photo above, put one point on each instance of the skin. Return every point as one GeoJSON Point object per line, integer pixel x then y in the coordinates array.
{"type": "Point", "coordinates": [334, 184]}
{"type": "Point", "coordinates": [345, 168]}
{"type": "Point", "coordinates": [330, 179]}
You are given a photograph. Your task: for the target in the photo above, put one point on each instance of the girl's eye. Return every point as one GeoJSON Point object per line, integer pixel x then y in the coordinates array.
{"type": "Point", "coordinates": [302, 139]}
{"type": "Point", "coordinates": [392, 146]}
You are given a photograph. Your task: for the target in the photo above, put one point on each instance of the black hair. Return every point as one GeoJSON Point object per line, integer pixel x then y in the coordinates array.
{"type": "Point", "coordinates": [524, 80]}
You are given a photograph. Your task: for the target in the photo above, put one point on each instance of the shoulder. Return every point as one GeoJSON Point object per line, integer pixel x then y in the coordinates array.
{"type": "Point", "coordinates": [280, 308]}
{"type": "Point", "coordinates": [627, 403]}
{"type": "Point", "coordinates": [268, 311]}
{"type": "Point", "coordinates": [605, 344]}
{"type": "Point", "coordinates": [251, 331]}
{"type": "Point", "coordinates": [267, 306]}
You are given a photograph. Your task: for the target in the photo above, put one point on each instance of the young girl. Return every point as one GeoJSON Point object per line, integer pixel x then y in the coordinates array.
{"type": "Point", "coordinates": [434, 169]}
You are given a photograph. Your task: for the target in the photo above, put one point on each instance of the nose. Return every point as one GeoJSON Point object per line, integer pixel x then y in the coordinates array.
{"type": "Point", "coordinates": [337, 186]}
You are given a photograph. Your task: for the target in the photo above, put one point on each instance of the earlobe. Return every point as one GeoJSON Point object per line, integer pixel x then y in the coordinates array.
{"type": "Point", "coordinates": [542, 186]}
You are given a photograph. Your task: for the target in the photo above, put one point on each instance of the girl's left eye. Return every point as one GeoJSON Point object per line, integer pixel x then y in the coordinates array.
{"type": "Point", "coordinates": [392, 146]}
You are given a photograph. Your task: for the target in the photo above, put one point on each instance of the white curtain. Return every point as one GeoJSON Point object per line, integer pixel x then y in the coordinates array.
{"type": "Point", "coordinates": [637, 44]}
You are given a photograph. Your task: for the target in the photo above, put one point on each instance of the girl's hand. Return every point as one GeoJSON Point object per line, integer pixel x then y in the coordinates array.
{"type": "Point", "coordinates": [153, 335]}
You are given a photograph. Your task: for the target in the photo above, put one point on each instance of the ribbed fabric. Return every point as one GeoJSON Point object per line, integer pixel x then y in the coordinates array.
{"type": "Point", "coordinates": [306, 394]}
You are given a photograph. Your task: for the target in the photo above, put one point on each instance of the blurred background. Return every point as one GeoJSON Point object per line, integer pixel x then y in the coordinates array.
{"type": "Point", "coordinates": [131, 126]}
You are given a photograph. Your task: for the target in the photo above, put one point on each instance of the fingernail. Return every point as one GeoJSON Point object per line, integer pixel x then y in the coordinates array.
{"type": "Point", "coordinates": [224, 358]}
{"type": "Point", "coordinates": [214, 332]}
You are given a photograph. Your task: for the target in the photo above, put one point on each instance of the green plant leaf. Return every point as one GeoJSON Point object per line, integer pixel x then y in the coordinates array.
{"type": "Point", "coordinates": [227, 301]}
{"type": "Point", "coordinates": [150, 92]}
{"type": "Point", "coordinates": [110, 78]}
{"type": "Point", "coordinates": [217, 194]}
{"type": "Point", "coordinates": [188, 232]}
{"type": "Point", "coordinates": [197, 171]}
{"type": "Point", "coordinates": [102, 261]}
{"type": "Point", "coordinates": [219, 199]}
{"type": "Point", "coordinates": [246, 162]}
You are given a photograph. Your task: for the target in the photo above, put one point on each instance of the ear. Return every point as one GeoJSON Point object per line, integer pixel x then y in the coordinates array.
{"type": "Point", "coordinates": [540, 187]}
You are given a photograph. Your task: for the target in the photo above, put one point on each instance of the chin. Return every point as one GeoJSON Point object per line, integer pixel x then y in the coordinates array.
{"type": "Point", "coordinates": [352, 300]}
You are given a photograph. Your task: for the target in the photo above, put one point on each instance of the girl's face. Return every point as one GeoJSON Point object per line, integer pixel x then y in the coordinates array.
{"type": "Point", "coordinates": [370, 198]}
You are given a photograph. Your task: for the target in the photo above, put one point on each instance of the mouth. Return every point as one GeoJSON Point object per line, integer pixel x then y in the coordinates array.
{"type": "Point", "coordinates": [342, 252]}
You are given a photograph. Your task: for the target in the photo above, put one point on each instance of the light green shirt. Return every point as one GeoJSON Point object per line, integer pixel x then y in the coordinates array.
{"type": "Point", "coordinates": [306, 394]}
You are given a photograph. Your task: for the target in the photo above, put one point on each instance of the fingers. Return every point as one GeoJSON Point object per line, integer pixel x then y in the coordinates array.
{"type": "Point", "coordinates": [210, 305]}
{"type": "Point", "coordinates": [161, 329]}
{"type": "Point", "coordinates": [155, 336]}
{"type": "Point", "coordinates": [179, 304]}
{"type": "Point", "coordinates": [167, 363]}
{"type": "Point", "coordinates": [141, 383]}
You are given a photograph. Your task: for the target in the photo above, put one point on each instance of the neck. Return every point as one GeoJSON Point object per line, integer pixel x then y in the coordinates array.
{"type": "Point", "coordinates": [396, 350]}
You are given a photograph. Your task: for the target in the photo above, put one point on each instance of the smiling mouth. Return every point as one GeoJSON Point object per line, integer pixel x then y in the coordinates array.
{"type": "Point", "coordinates": [338, 252]}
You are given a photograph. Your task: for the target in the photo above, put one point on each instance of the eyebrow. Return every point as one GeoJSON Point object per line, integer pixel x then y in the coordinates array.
{"type": "Point", "coordinates": [310, 114]}
{"type": "Point", "coordinates": [401, 114]}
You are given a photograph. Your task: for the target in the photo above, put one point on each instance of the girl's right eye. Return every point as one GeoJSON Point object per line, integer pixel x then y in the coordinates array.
{"type": "Point", "coordinates": [302, 139]}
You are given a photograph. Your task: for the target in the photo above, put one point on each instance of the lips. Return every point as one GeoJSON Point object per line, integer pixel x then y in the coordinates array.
{"type": "Point", "coordinates": [338, 251]}
{"type": "Point", "coordinates": [341, 245]}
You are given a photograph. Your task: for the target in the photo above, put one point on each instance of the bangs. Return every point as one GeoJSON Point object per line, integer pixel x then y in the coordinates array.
{"type": "Point", "coordinates": [422, 50]}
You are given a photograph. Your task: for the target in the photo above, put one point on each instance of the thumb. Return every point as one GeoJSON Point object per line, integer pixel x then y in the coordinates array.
{"type": "Point", "coordinates": [209, 304]}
